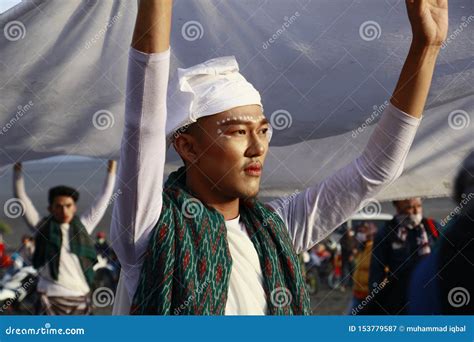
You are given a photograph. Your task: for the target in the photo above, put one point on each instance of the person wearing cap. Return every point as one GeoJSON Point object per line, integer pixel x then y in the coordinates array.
{"type": "Point", "coordinates": [64, 251]}
{"type": "Point", "coordinates": [202, 243]}
{"type": "Point", "coordinates": [101, 245]}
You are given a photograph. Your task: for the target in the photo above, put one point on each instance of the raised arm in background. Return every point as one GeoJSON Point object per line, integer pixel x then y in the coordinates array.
{"type": "Point", "coordinates": [92, 216]}
{"type": "Point", "coordinates": [30, 214]}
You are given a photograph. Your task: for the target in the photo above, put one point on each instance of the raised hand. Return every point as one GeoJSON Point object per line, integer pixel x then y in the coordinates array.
{"type": "Point", "coordinates": [111, 166]}
{"type": "Point", "coordinates": [429, 21]}
{"type": "Point", "coordinates": [17, 167]}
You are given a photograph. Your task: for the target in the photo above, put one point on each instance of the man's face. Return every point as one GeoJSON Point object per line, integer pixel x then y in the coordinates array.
{"type": "Point", "coordinates": [230, 150]}
{"type": "Point", "coordinates": [63, 209]}
{"type": "Point", "coordinates": [411, 206]}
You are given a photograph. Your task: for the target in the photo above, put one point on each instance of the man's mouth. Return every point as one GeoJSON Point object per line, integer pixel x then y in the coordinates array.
{"type": "Point", "coordinates": [254, 169]}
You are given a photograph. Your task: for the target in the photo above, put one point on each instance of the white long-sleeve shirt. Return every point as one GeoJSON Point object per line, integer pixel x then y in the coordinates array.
{"type": "Point", "coordinates": [71, 280]}
{"type": "Point", "coordinates": [310, 216]}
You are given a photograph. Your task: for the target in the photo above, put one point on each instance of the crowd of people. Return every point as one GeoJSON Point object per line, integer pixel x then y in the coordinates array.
{"type": "Point", "coordinates": [410, 264]}
{"type": "Point", "coordinates": [406, 266]}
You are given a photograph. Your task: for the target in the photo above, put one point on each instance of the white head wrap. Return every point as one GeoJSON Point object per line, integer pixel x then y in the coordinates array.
{"type": "Point", "coordinates": [207, 89]}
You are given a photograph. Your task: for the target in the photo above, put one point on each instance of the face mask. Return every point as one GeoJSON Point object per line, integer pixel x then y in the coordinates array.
{"type": "Point", "coordinates": [416, 218]}
{"type": "Point", "coordinates": [361, 237]}
{"type": "Point", "coordinates": [409, 221]}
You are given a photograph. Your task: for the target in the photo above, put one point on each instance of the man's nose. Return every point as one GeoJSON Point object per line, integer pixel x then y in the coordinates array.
{"type": "Point", "coordinates": [256, 148]}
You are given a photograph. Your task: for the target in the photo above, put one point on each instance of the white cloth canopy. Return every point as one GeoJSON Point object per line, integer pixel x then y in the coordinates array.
{"type": "Point", "coordinates": [324, 70]}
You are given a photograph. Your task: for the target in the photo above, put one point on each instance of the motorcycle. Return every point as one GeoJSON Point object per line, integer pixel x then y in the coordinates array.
{"type": "Point", "coordinates": [18, 287]}
{"type": "Point", "coordinates": [106, 273]}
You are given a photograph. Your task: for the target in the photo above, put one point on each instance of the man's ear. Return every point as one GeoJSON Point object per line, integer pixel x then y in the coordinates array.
{"type": "Point", "coordinates": [186, 146]}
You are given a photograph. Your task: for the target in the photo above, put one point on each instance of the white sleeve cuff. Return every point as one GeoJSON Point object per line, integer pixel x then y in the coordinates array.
{"type": "Point", "coordinates": [149, 57]}
{"type": "Point", "coordinates": [401, 115]}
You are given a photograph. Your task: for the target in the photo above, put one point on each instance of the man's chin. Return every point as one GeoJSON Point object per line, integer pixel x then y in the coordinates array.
{"type": "Point", "coordinates": [249, 193]}
{"type": "Point", "coordinates": [243, 189]}
{"type": "Point", "coordinates": [64, 220]}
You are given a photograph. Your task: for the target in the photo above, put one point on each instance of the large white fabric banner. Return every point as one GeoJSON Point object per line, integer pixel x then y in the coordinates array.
{"type": "Point", "coordinates": [325, 70]}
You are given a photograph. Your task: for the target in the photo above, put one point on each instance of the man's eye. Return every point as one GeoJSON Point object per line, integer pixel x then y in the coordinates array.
{"type": "Point", "coordinates": [264, 130]}
{"type": "Point", "coordinates": [239, 132]}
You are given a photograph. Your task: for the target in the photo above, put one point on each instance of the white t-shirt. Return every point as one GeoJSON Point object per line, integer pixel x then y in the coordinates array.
{"type": "Point", "coordinates": [246, 295]}
{"type": "Point", "coordinates": [71, 280]}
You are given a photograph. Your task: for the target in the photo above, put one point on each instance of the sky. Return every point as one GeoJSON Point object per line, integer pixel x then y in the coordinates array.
{"type": "Point", "coordinates": [6, 4]}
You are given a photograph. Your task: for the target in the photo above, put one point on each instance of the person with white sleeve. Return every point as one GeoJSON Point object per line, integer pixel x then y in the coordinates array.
{"type": "Point", "coordinates": [202, 243]}
{"type": "Point", "coordinates": [64, 251]}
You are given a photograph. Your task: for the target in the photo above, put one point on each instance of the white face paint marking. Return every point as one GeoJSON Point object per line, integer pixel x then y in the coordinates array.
{"type": "Point", "coordinates": [252, 119]}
